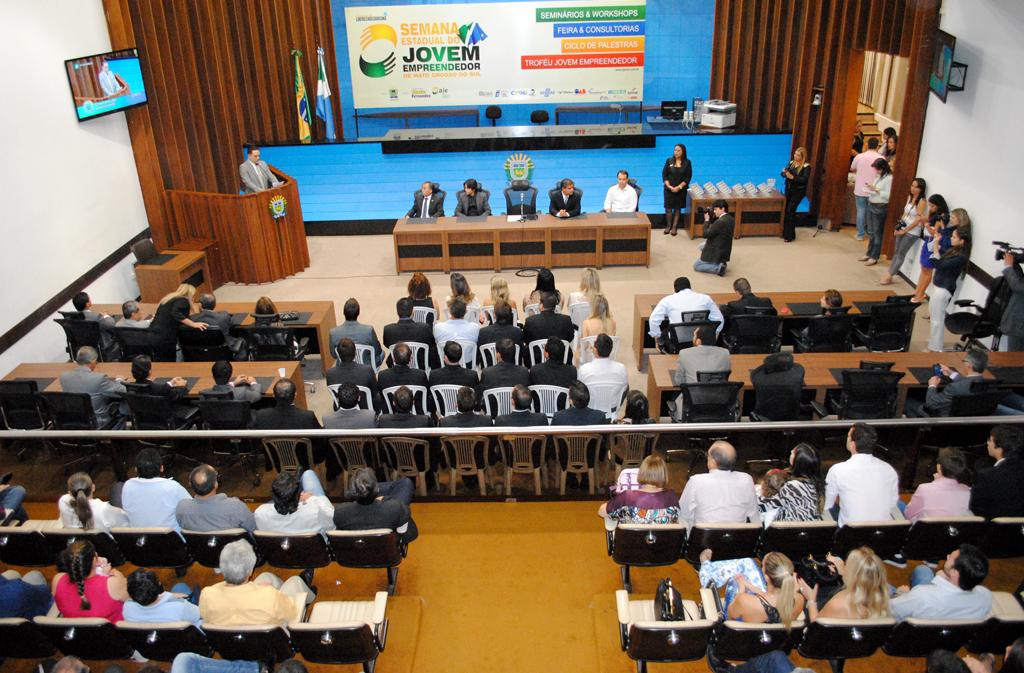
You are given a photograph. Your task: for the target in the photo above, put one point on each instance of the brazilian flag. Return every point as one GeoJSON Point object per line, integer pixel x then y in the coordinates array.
{"type": "Point", "coordinates": [301, 101]}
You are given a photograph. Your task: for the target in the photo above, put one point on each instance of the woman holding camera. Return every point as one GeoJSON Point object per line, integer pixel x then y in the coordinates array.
{"type": "Point", "coordinates": [937, 226]}
{"type": "Point", "coordinates": [796, 174]}
{"type": "Point", "coordinates": [950, 267]}
{"type": "Point", "coordinates": [908, 230]}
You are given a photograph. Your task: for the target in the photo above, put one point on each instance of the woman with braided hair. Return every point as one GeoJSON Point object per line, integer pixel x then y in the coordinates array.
{"type": "Point", "coordinates": [79, 509]}
{"type": "Point", "coordinates": [88, 586]}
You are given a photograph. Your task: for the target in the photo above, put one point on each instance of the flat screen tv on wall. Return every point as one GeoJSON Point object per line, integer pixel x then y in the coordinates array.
{"type": "Point", "coordinates": [106, 83]}
{"type": "Point", "coordinates": [942, 63]}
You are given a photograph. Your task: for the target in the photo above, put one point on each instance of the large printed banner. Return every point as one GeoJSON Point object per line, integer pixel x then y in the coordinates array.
{"type": "Point", "coordinates": [479, 54]}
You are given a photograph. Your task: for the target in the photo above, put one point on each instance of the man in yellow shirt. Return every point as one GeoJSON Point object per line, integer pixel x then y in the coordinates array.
{"type": "Point", "coordinates": [265, 600]}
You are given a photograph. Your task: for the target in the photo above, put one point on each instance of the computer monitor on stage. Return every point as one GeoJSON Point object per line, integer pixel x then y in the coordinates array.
{"type": "Point", "coordinates": [673, 109]}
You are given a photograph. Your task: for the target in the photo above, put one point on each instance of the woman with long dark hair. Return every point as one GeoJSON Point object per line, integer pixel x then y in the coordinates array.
{"type": "Point", "coordinates": [89, 586]}
{"type": "Point", "coordinates": [796, 173]}
{"type": "Point", "coordinates": [908, 230]}
{"type": "Point", "coordinates": [936, 226]}
{"type": "Point", "coordinates": [545, 284]}
{"type": "Point", "coordinates": [676, 175]}
{"type": "Point", "coordinates": [802, 496]}
{"type": "Point", "coordinates": [878, 203]}
{"type": "Point", "coordinates": [950, 267]}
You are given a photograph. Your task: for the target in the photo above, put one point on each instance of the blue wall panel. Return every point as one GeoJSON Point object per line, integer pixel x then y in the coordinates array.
{"type": "Point", "coordinates": [355, 181]}
{"type": "Point", "coordinates": [677, 62]}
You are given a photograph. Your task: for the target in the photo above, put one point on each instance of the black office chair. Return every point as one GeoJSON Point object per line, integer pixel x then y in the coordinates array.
{"type": "Point", "coordinates": [679, 335]}
{"type": "Point", "coordinates": [156, 412]}
{"type": "Point", "coordinates": [493, 112]}
{"type": "Point", "coordinates": [521, 198]}
{"type": "Point", "coordinates": [639, 191]}
{"type": "Point", "coordinates": [539, 117]}
{"type": "Point", "coordinates": [776, 403]}
{"type": "Point", "coordinates": [230, 414]}
{"type": "Point", "coordinates": [866, 394]}
{"type": "Point", "coordinates": [976, 322]}
{"type": "Point", "coordinates": [267, 344]}
{"type": "Point", "coordinates": [144, 250]}
{"type": "Point", "coordinates": [21, 408]}
{"type": "Point", "coordinates": [134, 341]}
{"type": "Point", "coordinates": [437, 195]}
{"type": "Point", "coordinates": [209, 345]}
{"type": "Point", "coordinates": [825, 334]}
{"type": "Point", "coordinates": [553, 193]}
{"type": "Point", "coordinates": [711, 402]}
{"type": "Point", "coordinates": [80, 333]}
{"type": "Point", "coordinates": [74, 412]}
{"type": "Point", "coordinates": [753, 334]}
{"type": "Point", "coordinates": [888, 329]}
{"type": "Point", "coordinates": [644, 545]}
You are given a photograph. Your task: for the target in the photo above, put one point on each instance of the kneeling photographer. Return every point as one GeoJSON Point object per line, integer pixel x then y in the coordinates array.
{"type": "Point", "coordinates": [1012, 324]}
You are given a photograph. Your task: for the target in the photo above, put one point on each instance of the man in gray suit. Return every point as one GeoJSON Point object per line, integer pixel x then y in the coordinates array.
{"type": "Point", "coordinates": [940, 402]}
{"type": "Point", "coordinates": [426, 203]}
{"type": "Point", "coordinates": [105, 392]}
{"type": "Point", "coordinates": [83, 304]}
{"type": "Point", "coordinates": [349, 416]}
{"type": "Point", "coordinates": [702, 356]}
{"type": "Point", "coordinates": [359, 333]}
{"type": "Point", "coordinates": [255, 174]}
{"type": "Point", "coordinates": [132, 313]}
{"type": "Point", "coordinates": [243, 388]}
{"type": "Point", "coordinates": [472, 200]}
{"type": "Point", "coordinates": [219, 319]}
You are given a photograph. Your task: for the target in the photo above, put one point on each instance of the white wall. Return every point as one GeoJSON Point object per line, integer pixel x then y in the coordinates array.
{"type": "Point", "coordinates": [71, 193]}
{"type": "Point", "coordinates": [972, 147]}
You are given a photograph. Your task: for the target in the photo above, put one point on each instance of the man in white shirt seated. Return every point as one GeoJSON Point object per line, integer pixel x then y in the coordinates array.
{"type": "Point", "coordinates": [457, 327]}
{"type": "Point", "coordinates": [621, 197]}
{"type": "Point", "coordinates": [150, 499]}
{"type": "Point", "coordinates": [297, 506]}
{"type": "Point", "coordinates": [671, 308]}
{"type": "Point", "coordinates": [721, 495]}
{"type": "Point", "coordinates": [954, 592]}
{"type": "Point", "coordinates": [603, 369]}
{"type": "Point", "coordinates": [867, 488]}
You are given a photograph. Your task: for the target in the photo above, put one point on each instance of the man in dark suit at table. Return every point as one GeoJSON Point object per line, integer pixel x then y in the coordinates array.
{"type": "Point", "coordinates": [506, 372]}
{"type": "Point", "coordinates": [406, 330]}
{"type": "Point", "coordinates": [284, 415]}
{"type": "Point", "coordinates": [83, 304]}
{"type": "Point", "coordinates": [347, 370]}
{"type": "Point", "coordinates": [426, 203]}
{"type": "Point", "coordinates": [553, 372]}
{"type": "Point", "coordinates": [997, 491]}
{"type": "Point", "coordinates": [579, 413]}
{"type": "Point", "coordinates": [473, 201]}
{"type": "Point", "coordinates": [566, 202]}
{"type": "Point", "coordinates": [747, 298]}
{"type": "Point", "coordinates": [104, 391]}
{"type": "Point", "coordinates": [522, 414]}
{"type": "Point", "coordinates": [466, 417]}
{"type": "Point", "coordinates": [939, 402]}
{"type": "Point", "coordinates": [717, 249]}
{"type": "Point", "coordinates": [243, 388]}
{"type": "Point", "coordinates": [547, 323]}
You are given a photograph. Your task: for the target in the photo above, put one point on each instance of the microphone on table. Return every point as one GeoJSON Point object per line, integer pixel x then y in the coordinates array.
{"type": "Point", "coordinates": [522, 214]}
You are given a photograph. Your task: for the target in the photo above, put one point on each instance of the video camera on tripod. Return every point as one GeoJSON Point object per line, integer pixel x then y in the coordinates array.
{"type": "Point", "coordinates": [1002, 247]}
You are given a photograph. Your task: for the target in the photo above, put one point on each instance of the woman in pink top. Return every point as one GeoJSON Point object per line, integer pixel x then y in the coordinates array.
{"type": "Point", "coordinates": [946, 495]}
{"type": "Point", "coordinates": [88, 587]}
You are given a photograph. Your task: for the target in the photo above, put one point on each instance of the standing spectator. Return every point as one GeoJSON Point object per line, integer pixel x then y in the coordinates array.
{"type": "Point", "coordinates": [1012, 323]}
{"type": "Point", "coordinates": [878, 204]}
{"type": "Point", "coordinates": [676, 176]}
{"type": "Point", "coordinates": [936, 226]}
{"type": "Point", "coordinates": [209, 510]}
{"type": "Point", "coordinates": [797, 172]}
{"type": "Point", "coordinates": [864, 176]}
{"type": "Point", "coordinates": [866, 488]}
{"type": "Point", "coordinates": [997, 491]}
{"type": "Point", "coordinates": [721, 495]}
{"type": "Point", "coordinates": [151, 499]}
{"type": "Point", "coordinates": [947, 495]}
{"type": "Point", "coordinates": [908, 230]}
{"type": "Point", "coordinates": [950, 268]}
{"type": "Point", "coordinates": [858, 139]}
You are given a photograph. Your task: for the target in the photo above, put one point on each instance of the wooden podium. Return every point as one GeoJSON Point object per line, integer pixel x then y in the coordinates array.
{"type": "Point", "coordinates": [162, 275]}
{"type": "Point", "coordinates": [242, 241]}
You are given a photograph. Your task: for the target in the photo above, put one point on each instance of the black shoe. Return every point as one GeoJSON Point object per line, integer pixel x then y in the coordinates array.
{"type": "Point", "coordinates": [716, 664]}
{"type": "Point", "coordinates": [307, 577]}
{"type": "Point", "coordinates": [721, 269]}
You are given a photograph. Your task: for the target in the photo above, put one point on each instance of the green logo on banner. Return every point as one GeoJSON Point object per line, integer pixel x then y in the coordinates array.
{"type": "Point", "coordinates": [519, 167]}
{"type": "Point", "coordinates": [378, 42]}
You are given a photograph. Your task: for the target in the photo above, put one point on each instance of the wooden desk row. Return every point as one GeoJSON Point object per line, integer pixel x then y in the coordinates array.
{"type": "Point", "coordinates": [268, 372]}
{"type": "Point", "coordinates": [818, 368]}
{"type": "Point", "coordinates": [461, 244]}
{"type": "Point", "coordinates": [755, 214]}
{"type": "Point", "coordinates": [643, 306]}
{"type": "Point", "coordinates": [320, 322]}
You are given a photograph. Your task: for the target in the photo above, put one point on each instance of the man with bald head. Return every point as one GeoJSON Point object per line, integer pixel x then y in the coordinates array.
{"type": "Point", "coordinates": [209, 510]}
{"type": "Point", "coordinates": [721, 495]}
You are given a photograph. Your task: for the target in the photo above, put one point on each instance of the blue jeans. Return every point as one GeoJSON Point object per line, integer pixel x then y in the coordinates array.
{"type": "Point", "coordinates": [706, 267]}
{"type": "Point", "coordinates": [772, 662]}
{"type": "Point", "coordinates": [11, 499]}
{"type": "Point", "coordinates": [922, 574]}
{"type": "Point", "coordinates": [187, 662]}
{"type": "Point", "coordinates": [876, 228]}
{"type": "Point", "coordinates": [1010, 404]}
{"type": "Point", "coordinates": [311, 483]}
{"type": "Point", "coordinates": [862, 210]}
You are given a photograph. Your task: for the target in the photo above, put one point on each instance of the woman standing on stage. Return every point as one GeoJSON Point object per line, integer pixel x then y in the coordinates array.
{"type": "Point", "coordinates": [796, 173]}
{"type": "Point", "coordinates": [676, 175]}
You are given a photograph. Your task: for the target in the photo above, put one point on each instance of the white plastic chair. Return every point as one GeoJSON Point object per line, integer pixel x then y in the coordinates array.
{"type": "Point", "coordinates": [551, 398]}
{"type": "Point", "coordinates": [419, 396]}
{"type": "Point", "coordinates": [587, 348]}
{"type": "Point", "coordinates": [365, 398]}
{"type": "Point", "coordinates": [578, 312]}
{"type": "Point", "coordinates": [532, 309]}
{"type": "Point", "coordinates": [446, 402]}
{"type": "Point", "coordinates": [424, 314]}
{"type": "Point", "coordinates": [472, 314]}
{"type": "Point", "coordinates": [607, 397]}
{"type": "Point", "coordinates": [367, 356]}
{"type": "Point", "coordinates": [419, 350]}
{"type": "Point", "coordinates": [535, 349]}
{"type": "Point", "coordinates": [498, 401]}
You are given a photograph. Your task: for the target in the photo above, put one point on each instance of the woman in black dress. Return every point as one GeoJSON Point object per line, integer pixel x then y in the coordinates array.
{"type": "Point", "coordinates": [676, 175]}
{"type": "Point", "coordinates": [796, 173]}
{"type": "Point", "coordinates": [173, 311]}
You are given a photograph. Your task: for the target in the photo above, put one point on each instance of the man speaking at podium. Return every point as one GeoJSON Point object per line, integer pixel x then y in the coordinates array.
{"type": "Point", "coordinates": [255, 174]}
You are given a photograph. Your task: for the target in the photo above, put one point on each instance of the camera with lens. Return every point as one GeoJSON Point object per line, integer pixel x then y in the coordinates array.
{"type": "Point", "coordinates": [1002, 247]}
